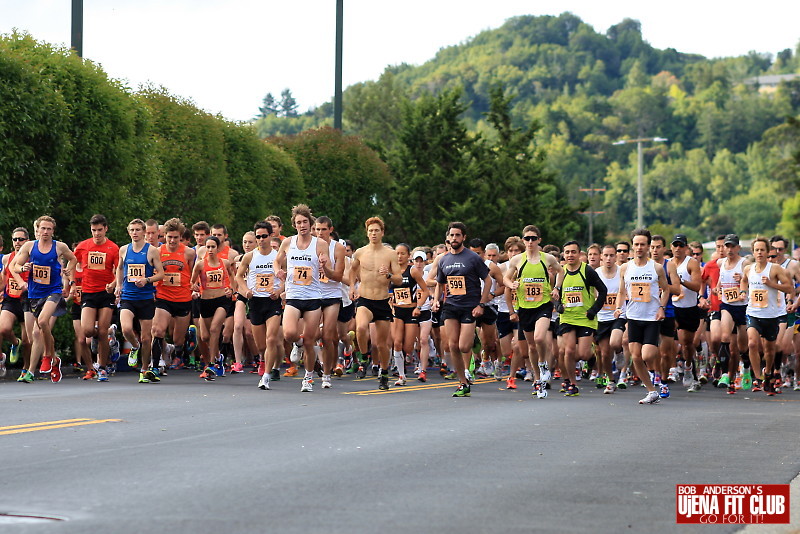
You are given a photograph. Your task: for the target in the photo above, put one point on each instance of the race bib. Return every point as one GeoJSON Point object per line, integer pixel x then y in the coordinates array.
{"type": "Point", "coordinates": [534, 291]}
{"type": "Point", "coordinates": [402, 296]}
{"type": "Point", "coordinates": [573, 299]}
{"type": "Point", "coordinates": [456, 285]}
{"type": "Point", "coordinates": [172, 279]}
{"type": "Point", "coordinates": [322, 278]}
{"type": "Point", "coordinates": [13, 289]}
{"type": "Point", "coordinates": [263, 283]}
{"type": "Point", "coordinates": [758, 298]}
{"type": "Point", "coordinates": [640, 292]}
{"type": "Point", "coordinates": [78, 294]}
{"type": "Point", "coordinates": [135, 271]}
{"type": "Point", "coordinates": [214, 279]}
{"type": "Point", "coordinates": [610, 303]}
{"type": "Point", "coordinates": [96, 260]}
{"type": "Point", "coordinates": [41, 274]}
{"type": "Point", "coordinates": [731, 294]}
{"type": "Point", "coordinates": [302, 275]}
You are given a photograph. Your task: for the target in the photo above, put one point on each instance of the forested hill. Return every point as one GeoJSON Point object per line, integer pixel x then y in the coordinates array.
{"type": "Point", "coordinates": [732, 156]}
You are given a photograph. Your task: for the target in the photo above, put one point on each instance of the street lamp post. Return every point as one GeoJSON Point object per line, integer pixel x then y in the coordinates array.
{"type": "Point", "coordinates": [640, 180]}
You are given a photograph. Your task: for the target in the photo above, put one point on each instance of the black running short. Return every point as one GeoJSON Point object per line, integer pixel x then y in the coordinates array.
{"type": "Point", "coordinates": [381, 311]}
{"type": "Point", "coordinates": [643, 332]}
{"type": "Point", "coordinates": [264, 308]}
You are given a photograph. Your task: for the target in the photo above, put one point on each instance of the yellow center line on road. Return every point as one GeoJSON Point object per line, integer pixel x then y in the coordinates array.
{"type": "Point", "coordinates": [49, 425]}
{"type": "Point", "coordinates": [421, 387]}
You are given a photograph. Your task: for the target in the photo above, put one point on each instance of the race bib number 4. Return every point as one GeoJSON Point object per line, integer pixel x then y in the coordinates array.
{"type": "Point", "coordinates": [456, 285]}
{"type": "Point", "coordinates": [640, 292]}
{"type": "Point", "coordinates": [402, 296]}
{"type": "Point", "coordinates": [96, 260]}
{"type": "Point", "coordinates": [533, 291]}
{"type": "Point", "coordinates": [302, 275]}
{"type": "Point", "coordinates": [41, 274]}
{"type": "Point", "coordinates": [263, 283]}
{"type": "Point", "coordinates": [135, 271]}
{"type": "Point", "coordinates": [172, 279]}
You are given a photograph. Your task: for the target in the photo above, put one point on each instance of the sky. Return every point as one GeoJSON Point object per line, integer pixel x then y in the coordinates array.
{"type": "Point", "coordinates": [226, 55]}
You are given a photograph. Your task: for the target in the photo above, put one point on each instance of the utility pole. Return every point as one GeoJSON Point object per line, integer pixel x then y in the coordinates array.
{"type": "Point", "coordinates": [640, 179]}
{"type": "Point", "coordinates": [592, 190]}
{"type": "Point", "coordinates": [77, 27]}
{"type": "Point", "coordinates": [337, 90]}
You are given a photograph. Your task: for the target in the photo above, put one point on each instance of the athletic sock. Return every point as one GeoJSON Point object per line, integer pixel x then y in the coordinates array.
{"type": "Point", "coordinates": [400, 362]}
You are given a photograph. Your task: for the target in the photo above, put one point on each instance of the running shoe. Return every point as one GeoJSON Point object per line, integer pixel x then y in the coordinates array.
{"type": "Point", "coordinates": [470, 377]}
{"type": "Point", "coordinates": [443, 370]}
{"type": "Point", "coordinates": [703, 377]}
{"type": "Point", "coordinates": [190, 343]}
{"type": "Point", "coordinates": [757, 385]}
{"type": "Point", "coordinates": [318, 368]}
{"type": "Point", "coordinates": [572, 391]}
{"type": "Point", "coordinates": [724, 381]}
{"type": "Point", "coordinates": [652, 397]}
{"type": "Point", "coordinates": [263, 382]}
{"type": "Point", "coordinates": [47, 365]}
{"type": "Point", "coordinates": [237, 368]}
{"type": "Point", "coordinates": [511, 383]}
{"type": "Point", "coordinates": [695, 387]}
{"type": "Point", "coordinates": [55, 373]}
{"type": "Point", "coordinates": [291, 371]}
{"type": "Point", "coordinates": [663, 391]}
{"type": "Point", "coordinates": [546, 374]}
{"type": "Point", "coordinates": [275, 374]}
{"type": "Point", "coordinates": [297, 353]}
{"type": "Point", "coordinates": [383, 382]}
{"type": "Point", "coordinates": [133, 357]}
{"type": "Point", "coordinates": [375, 370]}
{"type": "Point", "coordinates": [498, 372]}
{"type": "Point", "coordinates": [528, 376]}
{"type": "Point", "coordinates": [209, 373]}
{"type": "Point", "coordinates": [177, 363]}
{"type": "Point", "coordinates": [26, 377]}
{"type": "Point", "coordinates": [307, 385]}
{"type": "Point", "coordinates": [610, 388]}
{"type": "Point", "coordinates": [362, 372]}
{"type": "Point", "coordinates": [400, 381]}
{"type": "Point", "coordinates": [13, 355]}
{"type": "Point", "coordinates": [687, 376]}
{"type": "Point", "coordinates": [2, 364]}
{"type": "Point", "coordinates": [262, 368]}
{"type": "Point", "coordinates": [102, 375]}
{"type": "Point", "coordinates": [747, 380]}
{"type": "Point", "coordinates": [90, 374]}
{"type": "Point", "coordinates": [152, 375]}
{"type": "Point", "coordinates": [796, 385]}
{"type": "Point", "coordinates": [451, 376]}
{"type": "Point", "coordinates": [731, 390]}
{"type": "Point", "coordinates": [143, 379]}
{"type": "Point", "coordinates": [338, 370]}
{"type": "Point", "coordinates": [326, 382]}
{"type": "Point", "coordinates": [600, 382]}
{"type": "Point", "coordinates": [93, 346]}
{"type": "Point", "coordinates": [423, 376]}
{"type": "Point", "coordinates": [113, 344]}
{"type": "Point", "coordinates": [462, 391]}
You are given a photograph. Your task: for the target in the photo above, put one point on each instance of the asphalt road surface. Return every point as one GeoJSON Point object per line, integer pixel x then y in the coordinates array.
{"type": "Point", "coordinates": [187, 456]}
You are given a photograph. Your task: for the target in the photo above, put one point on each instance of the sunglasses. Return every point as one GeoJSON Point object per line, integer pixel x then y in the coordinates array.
{"type": "Point", "coordinates": [531, 238]}
{"type": "Point", "coordinates": [772, 256]}
{"type": "Point", "coordinates": [622, 251]}
{"type": "Point", "coordinates": [679, 245]}
{"type": "Point", "coordinates": [262, 236]}
{"type": "Point", "coordinates": [697, 253]}
{"type": "Point", "coordinates": [19, 239]}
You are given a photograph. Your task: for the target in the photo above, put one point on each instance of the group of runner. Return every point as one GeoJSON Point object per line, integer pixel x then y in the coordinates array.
{"type": "Point", "coordinates": [648, 311]}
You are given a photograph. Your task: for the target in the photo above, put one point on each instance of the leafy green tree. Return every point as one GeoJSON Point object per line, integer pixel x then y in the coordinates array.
{"type": "Point", "coordinates": [344, 179]}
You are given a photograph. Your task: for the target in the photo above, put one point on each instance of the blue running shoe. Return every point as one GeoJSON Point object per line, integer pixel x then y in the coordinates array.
{"type": "Point", "coordinates": [190, 343]}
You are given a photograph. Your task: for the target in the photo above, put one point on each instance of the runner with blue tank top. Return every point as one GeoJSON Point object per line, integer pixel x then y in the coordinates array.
{"type": "Point", "coordinates": [300, 260]}
{"type": "Point", "coordinates": [138, 270]}
{"type": "Point", "coordinates": [47, 286]}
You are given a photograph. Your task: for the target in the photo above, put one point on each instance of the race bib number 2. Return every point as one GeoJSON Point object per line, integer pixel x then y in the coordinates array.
{"type": "Point", "coordinates": [640, 292]}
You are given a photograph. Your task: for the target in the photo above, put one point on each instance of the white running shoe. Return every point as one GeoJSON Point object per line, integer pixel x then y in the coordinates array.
{"type": "Point", "coordinates": [687, 377]}
{"type": "Point", "coordinates": [694, 387]}
{"type": "Point", "coordinates": [263, 383]}
{"type": "Point", "coordinates": [652, 397]}
{"type": "Point", "coordinates": [326, 382]}
{"type": "Point", "coordinates": [528, 376]}
{"type": "Point", "coordinates": [610, 388]}
{"type": "Point", "coordinates": [297, 353]}
{"type": "Point", "coordinates": [546, 375]}
{"type": "Point", "coordinates": [400, 381]}
{"type": "Point", "coordinates": [307, 385]}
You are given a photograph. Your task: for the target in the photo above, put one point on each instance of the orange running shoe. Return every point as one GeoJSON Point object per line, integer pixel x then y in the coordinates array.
{"type": "Point", "coordinates": [291, 371]}
{"type": "Point", "coordinates": [90, 374]}
{"type": "Point", "coordinates": [511, 383]}
{"type": "Point", "coordinates": [338, 370]}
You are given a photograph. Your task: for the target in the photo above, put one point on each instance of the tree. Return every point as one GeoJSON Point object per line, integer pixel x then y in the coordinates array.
{"type": "Point", "coordinates": [268, 107]}
{"type": "Point", "coordinates": [288, 105]}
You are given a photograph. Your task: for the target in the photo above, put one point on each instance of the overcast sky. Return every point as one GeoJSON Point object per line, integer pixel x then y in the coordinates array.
{"type": "Point", "coordinates": [226, 55]}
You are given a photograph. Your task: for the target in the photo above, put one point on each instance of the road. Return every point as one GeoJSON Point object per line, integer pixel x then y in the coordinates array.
{"type": "Point", "coordinates": [192, 457]}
